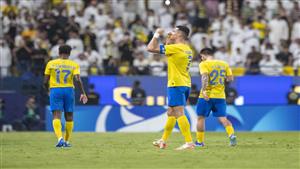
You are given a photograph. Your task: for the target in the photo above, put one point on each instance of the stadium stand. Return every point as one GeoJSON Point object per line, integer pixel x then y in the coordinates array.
{"type": "Point", "coordinates": [110, 36]}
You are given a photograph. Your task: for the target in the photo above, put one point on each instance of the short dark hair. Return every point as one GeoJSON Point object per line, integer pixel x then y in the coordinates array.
{"type": "Point", "coordinates": [207, 51]}
{"type": "Point", "coordinates": [65, 49]}
{"type": "Point", "coordinates": [184, 29]}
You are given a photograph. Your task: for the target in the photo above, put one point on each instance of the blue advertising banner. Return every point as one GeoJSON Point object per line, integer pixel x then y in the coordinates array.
{"type": "Point", "coordinates": [115, 90]}
{"type": "Point", "coordinates": [111, 118]}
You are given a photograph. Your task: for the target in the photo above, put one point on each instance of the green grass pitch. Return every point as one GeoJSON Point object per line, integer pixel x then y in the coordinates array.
{"type": "Point", "coordinates": [35, 150]}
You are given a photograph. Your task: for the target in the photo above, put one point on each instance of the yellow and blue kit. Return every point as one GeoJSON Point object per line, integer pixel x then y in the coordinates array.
{"type": "Point", "coordinates": [217, 71]}
{"type": "Point", "coordinates": [61, 72]}
{"type": "Point", "coordinates": [179, 57]}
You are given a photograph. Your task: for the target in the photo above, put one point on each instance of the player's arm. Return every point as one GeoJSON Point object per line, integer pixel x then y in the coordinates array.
{"type": "Point", "coordinates": [204, 79]}
{"type": "Point", "coordinates": [153, 45]}
{"type": "Point", "coordinates": [229, 75]}
{"type": "Point", "coordinates": [83, 97]}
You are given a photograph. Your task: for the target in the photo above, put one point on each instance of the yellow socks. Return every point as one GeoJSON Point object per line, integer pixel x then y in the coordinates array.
{"type": "Point", "coordinates": [184, 127]}
{"type": "Point", "coordinates": [200, 136]}
{"type": "Point", "coordinates": [69, 128]}
{"type": "Point", "coordinates": [229, 130]}
{"type": "Point", "coordinates": [57, 128]}
{"type": "Point", "coordinates": [169, 127]}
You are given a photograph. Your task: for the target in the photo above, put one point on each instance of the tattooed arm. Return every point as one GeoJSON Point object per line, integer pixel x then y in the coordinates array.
{"type": "Point", "coordinates": [204, 80]}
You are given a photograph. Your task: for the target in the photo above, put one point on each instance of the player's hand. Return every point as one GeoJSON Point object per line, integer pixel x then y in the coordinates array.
{"type": "Point", "coordinates": [160, 31]}
{"type": "Point", "coordinates": [83, 98]}
{"type": "Point", "coordinates": [205, 96]}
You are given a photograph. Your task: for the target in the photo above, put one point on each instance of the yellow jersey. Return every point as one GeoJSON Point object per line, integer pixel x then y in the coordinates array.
{"type": "Point", "coordinates": [179, 57]}
{"type": "Point", "coordinates": [217, 71]}
{"type": "Point", "coordinates": [61, 72]}
{"type": "Point", "coordinates": [261, 27]}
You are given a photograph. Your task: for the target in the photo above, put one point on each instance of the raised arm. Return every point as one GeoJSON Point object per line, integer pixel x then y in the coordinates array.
{"type": "Point", "coordinates": [153, 45]}
{"type": "Point", "coordinates": [83, 97]}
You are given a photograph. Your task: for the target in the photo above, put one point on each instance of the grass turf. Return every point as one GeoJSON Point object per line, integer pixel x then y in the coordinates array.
{"type": "Point", "coordinates": [35, 150]}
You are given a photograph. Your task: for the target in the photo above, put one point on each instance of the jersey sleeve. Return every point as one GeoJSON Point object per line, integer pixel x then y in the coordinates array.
{"type": "Point", "coordinates": [228, 71]}
{"type": "Point", "coordinates": [47, 70]}
{"type": "Point", "coordinates": [77, 70]}
{"type": "Point", "coordinates": [168, 49]}
{"type": "Point", "coordinates": [203, 68]}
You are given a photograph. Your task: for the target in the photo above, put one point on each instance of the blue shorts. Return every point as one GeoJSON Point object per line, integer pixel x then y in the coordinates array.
{"type": "Point", "coordinates": [177, 96]}
{"type": "Point", "coordinates": [217, 106]}
{"type": "Point", "coordinates": [62, 99]}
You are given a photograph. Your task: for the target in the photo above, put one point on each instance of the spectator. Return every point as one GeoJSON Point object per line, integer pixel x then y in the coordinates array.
{"type": "Point", "coordinates": [152, 19]}
{"type": "Point", "coordinates": [293, 96]}
{"type": "Point", "coordinates": [91, 10]}
{"type": "Point", "coordinates": [93, 57]}
{"type": "Point", "coordinates": [93, 96]}
{"type": "Point", "coordinates": [39, 58]}
{"type": "Point", "coordinates": [252, 61]}
{"type": "Point", "coordinates": [157, 66]}
{"type": "Point", "coordinates": [238, 59]}
{"type": "Point", "coordinates": [285, 57]}
{"type": "Point", "coordinates": [198, 39]}
{"type": "Point", "coordinates": [54, 50]}
{"type": "Point", "coordinates": [23, 56]}
{"type": "Point", "coordinates": [138, 95]}
{"type": "Point", "coordinates": [31, 114]}
{"type": "Point", "coordinates": [278, 30]}
{"type": "Point", "coordinates": [270, 66]}
{"type": "Point", "coordinates": [250, 39]}
{"type": "Point", "coordinates": [141, 64]}
{"type": "Point", "coordinates": [295, 48]}
{"type": "Point", "coordinates": [84, 64]}
{"type": "Point", "coordinates": [194, 95]}
{"type": "Point", "coordinates": [111, 68]}
{"type": "Point", "coordinates": [89, 38]}
{"type": "Point", "coordinates": [108, 47]}
{"type": "Point", "coordinates": [295, 13]}
{"type": "Point", "coordinates": [247, 11]}
{"type": "Point", "coordinates": [5, 59]}
{"type": "Point", "coordinates": [261, 26]}
{"type": "Point", "coordinates": [295, 34]}
{"type": "Point", "coordinates": [30, 32]}
{"type": "Point", "coordinates": [231, 93]}
{"type": "Point", "coordinates": [166, 18]}
{"type": "Point", "coordinates": [221, 54]}
{"type": "Point", "coordinates": [126, 50]}
{"type": "Point", "coordinates": [102, 20]}
{"type": "Point", "coordinates": [76, 43]}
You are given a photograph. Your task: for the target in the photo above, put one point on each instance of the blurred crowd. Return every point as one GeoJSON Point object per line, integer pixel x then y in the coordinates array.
{"type": "Point", "coordinates": [110, 36]}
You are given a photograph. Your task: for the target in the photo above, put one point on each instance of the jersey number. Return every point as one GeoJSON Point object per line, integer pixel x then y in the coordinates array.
{"type": "Point", "coordinates": [217, 75]}
{"type": "Point", "coordinates": [58, 72]}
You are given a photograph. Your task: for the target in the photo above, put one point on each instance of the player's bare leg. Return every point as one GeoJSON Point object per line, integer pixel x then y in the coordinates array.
{"type": "Point", "coordinates": [229, 130]}
{"type": "Point", "coordinates": [200, 131]}
{"type": "Point", "coordinates": [69, 128]}
{"type": "Point", "coordinates": [184, 126]}
{"type": "Point", "coordinates": [57, 127]}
